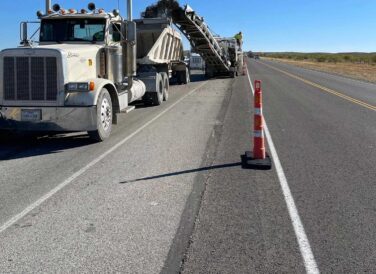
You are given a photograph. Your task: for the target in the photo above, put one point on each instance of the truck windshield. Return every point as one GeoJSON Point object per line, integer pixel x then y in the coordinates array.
{"type": "Point", "coordinates": [71, 29]}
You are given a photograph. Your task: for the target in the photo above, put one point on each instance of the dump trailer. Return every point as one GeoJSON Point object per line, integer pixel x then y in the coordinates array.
{"type": "Point", "coordinates": [160, 47]}
{"type": "Point", "coordinates": [87, 67]}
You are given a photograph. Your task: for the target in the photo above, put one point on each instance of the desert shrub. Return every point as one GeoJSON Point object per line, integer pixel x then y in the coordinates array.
{"type": "Point", "coordinates": [299, 57]}
{"type": "Point", "coordinates": [320, 59]}
{"type": "Point", "coordinates": [347, 58]}
{"type": "Point", "coordinates": [333, 59]}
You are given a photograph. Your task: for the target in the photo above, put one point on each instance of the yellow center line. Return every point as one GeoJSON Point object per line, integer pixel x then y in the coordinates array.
{"type": "Point", "coordinates": [336, 93]}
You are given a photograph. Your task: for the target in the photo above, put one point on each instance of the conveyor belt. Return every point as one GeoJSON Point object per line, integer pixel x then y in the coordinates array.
{"type": "Point", "coordinates": [200, 37]}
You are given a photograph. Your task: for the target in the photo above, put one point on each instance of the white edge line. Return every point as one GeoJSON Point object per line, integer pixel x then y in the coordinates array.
{"type": "Point", "coordinates": [304, 246]}
{"type": "Point", "coordinates": [69, 180]}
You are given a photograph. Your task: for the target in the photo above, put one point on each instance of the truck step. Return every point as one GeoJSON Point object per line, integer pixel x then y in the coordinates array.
{"type": "Point", "coordinates": [120, 116]}
{"type": "Point", "coordinates": [128, 109]}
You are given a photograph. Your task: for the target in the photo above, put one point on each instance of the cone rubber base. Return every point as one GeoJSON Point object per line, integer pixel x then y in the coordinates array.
{"type": "Point", "coordinates": [248, 162]}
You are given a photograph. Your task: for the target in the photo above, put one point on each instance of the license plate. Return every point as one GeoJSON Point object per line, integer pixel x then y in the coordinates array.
{"type": "Point", "coordinates": [31, 115]}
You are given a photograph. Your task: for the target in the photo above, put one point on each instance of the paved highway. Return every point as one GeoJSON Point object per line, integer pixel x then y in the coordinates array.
{"type": "Point", "coordinates": [325, 132]}
{"type": "Point", "coordinates": [167, 192]}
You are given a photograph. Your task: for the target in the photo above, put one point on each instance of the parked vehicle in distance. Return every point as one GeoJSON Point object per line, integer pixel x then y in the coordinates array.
{"type": "Point", "coordinates": [196, 62]}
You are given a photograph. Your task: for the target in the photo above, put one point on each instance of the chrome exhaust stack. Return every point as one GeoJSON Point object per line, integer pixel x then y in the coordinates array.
{"type": "Point", "coordinates": [48, 5]}
{"type": "Point", "coordinates": [129, 10]}
{"type": "Point", "coordinates": [129, 46]}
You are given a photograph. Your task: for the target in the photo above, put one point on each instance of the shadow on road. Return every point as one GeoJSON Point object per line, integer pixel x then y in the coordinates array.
{"type": "Point", "coordinates": [183, 172]}
{"type": "Point", "coordinates": [199, 76]}
{"type": "Point", "coordinates": [196, 76]}
{"type": "Point", "coordinates": [18, 146]}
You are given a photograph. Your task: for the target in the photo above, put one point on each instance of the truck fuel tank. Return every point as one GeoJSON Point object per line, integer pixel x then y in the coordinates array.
{"type": "Point", "coordinates": [137, 91]}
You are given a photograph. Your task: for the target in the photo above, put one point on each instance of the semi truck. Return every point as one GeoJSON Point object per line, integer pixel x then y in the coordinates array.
{"type": "Point", "coordinates": [86, 68]}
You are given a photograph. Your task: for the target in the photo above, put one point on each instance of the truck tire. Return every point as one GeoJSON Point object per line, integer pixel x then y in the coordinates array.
{"type": "Point", "coordinates": [104, 117]}
{"type": "Point", "coordinates": [183, 77]}
{"type": "Point", "coordinates": [186, 78]}
{"type": "Point", "coordinates": [155, 98]}
{"type": "Point", "coordinates": [166, 87]}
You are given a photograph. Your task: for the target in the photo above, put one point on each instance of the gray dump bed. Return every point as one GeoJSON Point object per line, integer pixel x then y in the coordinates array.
{"type": "Point", "coordinates": [158, 42]}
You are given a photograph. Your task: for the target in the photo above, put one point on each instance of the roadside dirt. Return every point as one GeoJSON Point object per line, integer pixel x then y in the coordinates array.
{"type": "Point", "coordinates": [364, 72]}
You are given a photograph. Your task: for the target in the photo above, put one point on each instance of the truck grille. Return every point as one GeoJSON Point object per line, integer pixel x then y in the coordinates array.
{"type": "Point", "coordinates": [30, 78]}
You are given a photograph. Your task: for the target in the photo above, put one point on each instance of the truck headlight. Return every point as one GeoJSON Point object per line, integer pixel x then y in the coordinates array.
{"type": "Point", "coordinates": [74, 87]}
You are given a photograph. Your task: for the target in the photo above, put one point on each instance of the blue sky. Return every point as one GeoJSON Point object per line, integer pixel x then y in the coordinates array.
{"type": "Point", "coordinates": [268, 25]}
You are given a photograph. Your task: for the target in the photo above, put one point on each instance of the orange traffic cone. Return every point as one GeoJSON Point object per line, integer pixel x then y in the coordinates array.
{"type": "Point", "coordinates": [258, 158]}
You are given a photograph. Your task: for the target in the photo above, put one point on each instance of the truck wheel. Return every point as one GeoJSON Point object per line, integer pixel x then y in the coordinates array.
{"type": "Point", "coordinates": [165, 89]}
{"type": "Point", "coordinates": [156, 98]}
{"type": "Point", "coordinates": [104, 117]}
{"type": "Point", "coordinates": [186, 77]}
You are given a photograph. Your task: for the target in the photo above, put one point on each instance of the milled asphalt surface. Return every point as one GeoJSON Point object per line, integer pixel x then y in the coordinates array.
{"type": "Point", "coordinates": [243, 225]}
{"type": "Point", "coordinates": [135, 211]}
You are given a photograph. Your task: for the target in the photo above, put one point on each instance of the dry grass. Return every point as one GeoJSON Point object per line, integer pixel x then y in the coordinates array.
{"type": "Point", "coordinates": [365, 72]}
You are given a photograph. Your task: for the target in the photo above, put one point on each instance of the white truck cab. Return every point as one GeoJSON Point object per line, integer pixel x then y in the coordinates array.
{"type": "Point", "coordinates": [82, 72]}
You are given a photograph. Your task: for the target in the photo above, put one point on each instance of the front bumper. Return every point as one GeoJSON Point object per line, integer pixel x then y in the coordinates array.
{"type": "Point", "coordinates": [58, 119]}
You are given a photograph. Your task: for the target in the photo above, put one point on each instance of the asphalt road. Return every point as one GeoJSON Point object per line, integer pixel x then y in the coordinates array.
{"type": "Point", "coordinates": [106, 219]}
{"type": "Point", "coordinates": [323, 128]}
{"type": "Point", "coordinates": [327, 146]}
{"type": "Point", "coordinates": [167, 192]}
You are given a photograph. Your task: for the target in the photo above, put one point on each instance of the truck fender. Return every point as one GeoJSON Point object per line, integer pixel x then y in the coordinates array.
{"type": "Point", "coordinates": [151, 81]}
{"type": "Point", "coordinates": [111, 88]}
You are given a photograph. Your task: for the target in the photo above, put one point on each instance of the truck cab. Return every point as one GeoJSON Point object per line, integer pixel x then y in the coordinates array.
{"type": "Point", "coordinates": [64, 83]}
{"type": "Point", "coordinates": [82, 72]}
